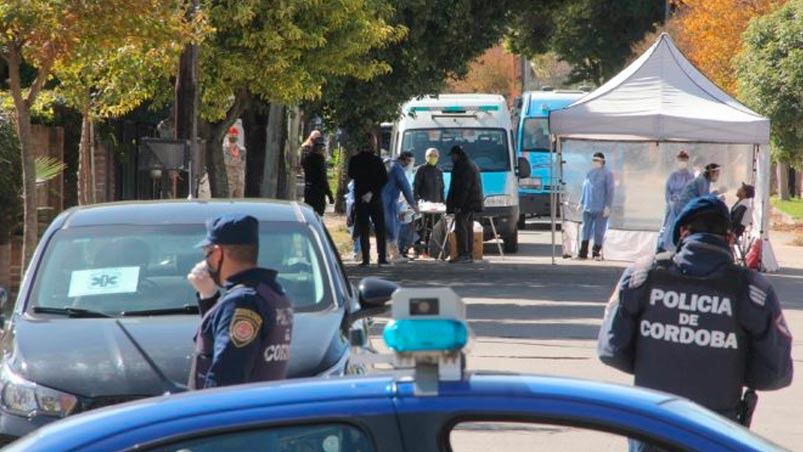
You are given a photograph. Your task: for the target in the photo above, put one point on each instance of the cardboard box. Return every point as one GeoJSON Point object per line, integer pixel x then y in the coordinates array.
{"type": "Point", "coordinates": [476, 251]}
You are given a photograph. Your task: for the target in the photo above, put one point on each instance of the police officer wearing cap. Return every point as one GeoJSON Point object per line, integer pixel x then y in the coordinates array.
{"type": "Point", "coordinates": [245, 332]}
{"type": "Point", "coordinates": [695, 324]}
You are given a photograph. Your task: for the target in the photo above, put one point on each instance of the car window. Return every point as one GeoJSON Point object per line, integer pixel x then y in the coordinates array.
{"type": "Point", "coordinates": [306, 438]}
{"type": "Point", "coordinates": [527, 436]}
{"type": "Point", "coordinates": [487, 147]}
{"type": "Point", "coordinates": [128, 268]}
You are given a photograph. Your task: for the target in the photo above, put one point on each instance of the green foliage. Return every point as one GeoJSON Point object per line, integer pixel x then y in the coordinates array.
{"type": "Point", "coordinates": [594, 36]}
{"type": "Point", "coordinates": [48, 168]}
{"type": "Point", "coordinates": [792, 207]}
{"type": "Point", "coordinates": [443, 37]}
{"type": "Point", "coordinates": [10, 180]}
{"type": "Point", "coordinates": [285, 51]}
{"type": "Point", "coordinates": [111, 77]}
{"type": "Point", "coordinates": [770, 73]}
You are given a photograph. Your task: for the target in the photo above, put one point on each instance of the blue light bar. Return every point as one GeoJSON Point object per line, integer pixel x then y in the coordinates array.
{"type": "Point", "coordinates": [425, 335]}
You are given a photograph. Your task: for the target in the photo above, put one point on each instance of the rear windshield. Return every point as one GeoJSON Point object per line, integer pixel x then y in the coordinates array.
{"type": "Point", "coordinates": [130, 268]}
{"type": "Point", "coordinates": [487, 147]}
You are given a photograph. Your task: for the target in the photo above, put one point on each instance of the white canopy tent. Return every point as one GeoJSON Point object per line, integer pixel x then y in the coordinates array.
{"type": "Point", "coordinates": [640, 118]}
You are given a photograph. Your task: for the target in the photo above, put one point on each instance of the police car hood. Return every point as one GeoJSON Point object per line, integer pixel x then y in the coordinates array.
{"type": "Point", "coordinates": [94, 357]}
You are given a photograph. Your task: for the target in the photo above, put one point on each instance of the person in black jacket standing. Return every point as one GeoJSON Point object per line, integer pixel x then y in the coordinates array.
{"type": "Point", "coordinates": [316, 182]}
{"type": "Point", "coordinates": [369, 175]}
{"type": "Point", "coordinates": [464, 199]}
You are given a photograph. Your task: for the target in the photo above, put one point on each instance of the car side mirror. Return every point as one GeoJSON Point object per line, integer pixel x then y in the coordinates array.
{"type": "Point", "coordinates": [374, 295]}
{"type": "Point", "coordinates": [375, 292]}
{"type": "Point", "coordinates": [525, 170]}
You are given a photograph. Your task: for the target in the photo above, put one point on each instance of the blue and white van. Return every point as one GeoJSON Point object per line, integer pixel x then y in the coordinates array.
{"type": "Point", "coordinates": [482, 125]}
{"type": "Point", "coordinates": [533, 144]}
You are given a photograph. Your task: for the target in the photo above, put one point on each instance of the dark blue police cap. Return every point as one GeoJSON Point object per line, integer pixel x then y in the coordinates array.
{"type": "Point", "coordinates": [704, 205]}
{"type": "Point", "coordinates": [231, 229]}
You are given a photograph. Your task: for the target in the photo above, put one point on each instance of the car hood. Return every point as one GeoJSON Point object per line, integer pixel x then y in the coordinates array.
{"type": "Point", "coordinates": [94, 357]}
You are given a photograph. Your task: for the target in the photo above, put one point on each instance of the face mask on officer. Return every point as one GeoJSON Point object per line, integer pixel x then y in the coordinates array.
{"type": "Point", "coordinates": [598, 163]}
{"type": "Point", "coordinates": [682, 164]}
{"type": "Point", "coordinates": [214, 270]}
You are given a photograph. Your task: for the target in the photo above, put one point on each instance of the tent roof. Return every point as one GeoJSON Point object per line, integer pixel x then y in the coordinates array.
{"type": "Point", "coordinates": [660, 97]}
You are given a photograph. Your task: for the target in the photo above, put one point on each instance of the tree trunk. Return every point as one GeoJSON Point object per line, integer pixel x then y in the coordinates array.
{"type": "Point", "coordinates": [23, 119]}
{"type": "Point", "coordinates": [186, 106]}
{"type": "Point", "coordinates": [255, 125]}
{"type": "Point", "coordinates": [291, 151]}
{"type": "Point", "coordinates": [783, 180]}
{"type": "Point", "coordinates": [284, 183]}
{"type": "Point", "coordinates": [85, 170]}
{"type": "Point", "coordinates": [213, 134]}
{"type": "Point", "coordinates": [273, 151]}
{"type": "Point", "coordinates": [800, 183]}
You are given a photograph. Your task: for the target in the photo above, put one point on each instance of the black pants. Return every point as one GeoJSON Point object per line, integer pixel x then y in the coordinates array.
{"type": "Point", "coordinates": [364, 214]}
{"type": "Point", "coordinates": [464, 233]}
{"type": "Point", "coordinates": [316, 200]}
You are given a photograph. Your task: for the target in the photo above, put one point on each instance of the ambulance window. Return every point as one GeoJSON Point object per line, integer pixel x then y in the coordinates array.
{"type": "Point", "coordinates": [318, 438]}
{"type": "Point", "coordinates": [527, 436]}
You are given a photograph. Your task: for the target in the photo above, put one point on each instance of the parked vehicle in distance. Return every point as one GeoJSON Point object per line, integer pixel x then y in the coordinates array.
{"type": "Point", "coordinates": [533, 144]}
{"type": "Point", "coordinates": [481, 124]}
{"type": "Point", "coordinates": [105, 314]}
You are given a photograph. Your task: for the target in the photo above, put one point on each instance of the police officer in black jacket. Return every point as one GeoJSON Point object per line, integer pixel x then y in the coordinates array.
{"type": "Point", "coordinates": [245, 333]}
{"type": "Point", "coordinates": [464, 200]}
{"type": "Point", "coordinates": [695, 324]}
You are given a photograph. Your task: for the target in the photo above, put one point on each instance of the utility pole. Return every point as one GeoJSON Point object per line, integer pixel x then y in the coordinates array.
{"type": "Point", "coordinates": [186, 108]}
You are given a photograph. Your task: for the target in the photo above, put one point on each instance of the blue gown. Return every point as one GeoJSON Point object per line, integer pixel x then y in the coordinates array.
{"type": "Point", "coordinates": [397, 184]}
{"type": "Point", "coordinates": [598, 191]}
{"type": "Point", "coordinates": [675, 186]}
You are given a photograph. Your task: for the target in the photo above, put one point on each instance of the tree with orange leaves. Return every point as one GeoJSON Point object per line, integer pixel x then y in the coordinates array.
{"type": "Point", "coordinates": [710, 33]}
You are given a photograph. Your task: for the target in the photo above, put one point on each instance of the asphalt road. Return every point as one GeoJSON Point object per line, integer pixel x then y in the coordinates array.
{"type": "Point", "coordinates": [530, 316]}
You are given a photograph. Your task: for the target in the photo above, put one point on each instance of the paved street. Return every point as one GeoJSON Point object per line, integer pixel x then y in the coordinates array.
{"type": "Point", "coordinates": [530, 316]}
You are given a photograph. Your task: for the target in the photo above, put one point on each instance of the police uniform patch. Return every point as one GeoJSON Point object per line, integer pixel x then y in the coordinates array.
{"type": "Point", "coordinates": [244, 328]}
{"type": "Point", "coordinates": [757, 295]}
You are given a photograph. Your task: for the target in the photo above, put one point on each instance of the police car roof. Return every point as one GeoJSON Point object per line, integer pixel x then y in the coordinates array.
{"type": "Point", "coordinates": [85, 429]}
{"type": "Point", "coordinates": [183, 212]}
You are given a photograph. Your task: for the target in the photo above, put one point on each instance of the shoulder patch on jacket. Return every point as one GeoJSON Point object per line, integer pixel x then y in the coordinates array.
{"type": "Point", "coordinates": [757, 296]}
{"type": "Point", "coordinates": [244, 327]}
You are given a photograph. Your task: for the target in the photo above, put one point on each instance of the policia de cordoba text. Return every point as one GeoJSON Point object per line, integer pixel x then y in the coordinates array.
{"type": "Point", "coordinates": [683, 333]}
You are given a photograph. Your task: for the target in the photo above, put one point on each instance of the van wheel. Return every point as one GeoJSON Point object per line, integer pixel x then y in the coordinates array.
{"type": "Point", "coordinates": [522, 223]}
{"type": "Point", "coordinates": [511, 243]}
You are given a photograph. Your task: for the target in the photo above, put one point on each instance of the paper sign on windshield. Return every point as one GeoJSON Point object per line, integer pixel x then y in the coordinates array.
{"type": "Point", "coordinates": [103, 281]}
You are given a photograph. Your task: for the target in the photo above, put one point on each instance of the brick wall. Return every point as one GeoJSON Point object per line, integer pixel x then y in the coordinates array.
{"type": "Point", "coordinates": [47, 141]}
{"type": "Point", "coordinates": [104, 173]}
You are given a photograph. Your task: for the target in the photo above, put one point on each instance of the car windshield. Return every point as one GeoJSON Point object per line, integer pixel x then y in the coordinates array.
{"type": "Point", "coordinates": [535, 135]}
{"type": "Point", "coordinates": [487, 147]}
{"type": "Point", "coordinates": [116, 269]}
